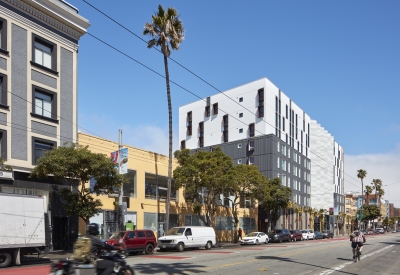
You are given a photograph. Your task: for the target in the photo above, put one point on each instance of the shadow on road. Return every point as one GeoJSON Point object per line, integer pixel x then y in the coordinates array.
{"type": "Point", "coordinates": [176, 268]}
{"type": "Point", "coordinates": [34, 260]}
{"type": "Point", "coordinates": [296, 262]}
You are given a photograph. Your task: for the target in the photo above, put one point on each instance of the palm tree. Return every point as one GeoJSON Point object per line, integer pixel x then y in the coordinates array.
{"type": "Point", "coordinates": [368, 192]}
{"type": "Point", "coordinates": [166, 29]}
{"type": "Point", "coordinates": [321, 217]}
{"type": "Point", "coordinates": [291, 205]}
{"type": "Point", "coordinates": [381, 193]}
{"type": "Point", "coordinates": [376, 185]}
{"type": "Point", "coordinates": [361, 175]}
{"type": "Point", "coordinates": [300, 211]}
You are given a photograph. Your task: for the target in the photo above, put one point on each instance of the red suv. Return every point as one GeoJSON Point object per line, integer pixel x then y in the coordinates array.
{"type": "Point", "coordinates": [134, 241]}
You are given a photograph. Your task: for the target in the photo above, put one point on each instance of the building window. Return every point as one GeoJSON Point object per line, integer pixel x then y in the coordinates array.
{"type": "Point", "coordinates": [250, 160]}
{"type": "Point", "coordinates": [207, 111]}
{"type": "Point", "coordinates": [225, 128]}
{"type": "Point", "coordinates": [261, 103]}
{"type": "Point", "coordinates": [129, 186]}
{"type": "Point", "coordinates": [239, 161]}
{"type": "Point", "coordinates": [44, 103]}
{"type": "Point", "coordinates": [201, 134]}
{"type": "Point", "coordinates": [251, 145]}
{"type": "Point", "coordinates": [40, 148]}
{"type": "Point", "coordinates": [3, 91]}
{"type": "Point", "coordinates": [156, 187]}
{"type": "Point", "coordinates": [245, 202]}
{"type": "Point", "coordinates": [183, 144]}
{"type": "Point", "coordinates": [193, 220]}
{"type": "Point", "coordinates": [287, 111]}
{"type": "Point", "coordinates": [240, 130]}
{"type": "Point", "coordinates": [261, 111]}
{"type": "Point", "coordinates": [240, 99]}
{"type": "Point", "coordinates": [251, 130]}
{"type": "Point", "coordinates": [44, 54]}
{"type": "Point", "coordinates": [283, 164]}
{"type": "Point", "coordinates": [283, 123]}
{"type": "Point", "coordinates": [215, 108]}
{"type": "Point", "coordinates": [224, 223]}
{"type": "Point", "coordinates": [248, 224]}
{"type": "Point", "coordinates": [3, 36]}
{"type": "Point", "coordinates": [241, 115]}
{"type": "Point", "coordinates": [189, 124]}
{"type": "Point", "coordinates": [3, 144]}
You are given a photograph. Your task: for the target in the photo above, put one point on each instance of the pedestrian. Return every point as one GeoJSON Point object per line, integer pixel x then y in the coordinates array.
{"type": "Point", "coordinates": [239, 233]}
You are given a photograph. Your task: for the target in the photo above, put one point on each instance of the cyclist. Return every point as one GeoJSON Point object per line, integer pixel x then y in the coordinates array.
{"type": "Point", "coordinates": [357, 238]}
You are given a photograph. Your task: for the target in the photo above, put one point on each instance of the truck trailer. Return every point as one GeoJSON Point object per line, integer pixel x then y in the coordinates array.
{"type": "Point", "coordinates": [24, 227]}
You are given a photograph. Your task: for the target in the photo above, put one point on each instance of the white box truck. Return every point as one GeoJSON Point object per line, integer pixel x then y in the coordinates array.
{"type": "Point", "coordinates": [24, 227]}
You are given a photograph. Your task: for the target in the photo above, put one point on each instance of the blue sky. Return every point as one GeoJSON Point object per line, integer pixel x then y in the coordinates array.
{"type": "Point", "coordinates": [338, 60]}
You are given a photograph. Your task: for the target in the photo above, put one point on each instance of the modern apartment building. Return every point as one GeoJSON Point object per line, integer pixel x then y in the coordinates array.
{"type": "Point", "coordinates": [258, 124]}
{"type": "Point", "coordinates": [38, 108]}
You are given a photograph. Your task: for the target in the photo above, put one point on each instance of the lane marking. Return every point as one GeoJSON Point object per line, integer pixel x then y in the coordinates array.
{"type": "Point", "coordinates": [339, 267]}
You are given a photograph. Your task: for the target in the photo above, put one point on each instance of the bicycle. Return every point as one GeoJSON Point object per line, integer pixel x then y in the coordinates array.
{"type": "Point", "coordinates": [357, 255]}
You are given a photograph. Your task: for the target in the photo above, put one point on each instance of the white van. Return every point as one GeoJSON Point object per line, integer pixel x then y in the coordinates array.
{"type": "Point", "coordinates": [183, 237]}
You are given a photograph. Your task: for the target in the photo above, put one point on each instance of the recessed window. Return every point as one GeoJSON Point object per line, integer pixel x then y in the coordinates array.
{"type": "Point", "coordinates": [215, 108]}
{"type": "Point", "coordinates": [189, 124]}
{"type": "Point", "coordinates": [183, 144]}
{"type": "Point", "coordinates": [251, 130]}
{"type": "Point", "coordinates": [225, 127]}
{"type": "Point", "coordinates": [3, 36]}
{"type": "Point", "coordinates": [44, 103]}
{"type": "Point", "coordinates": [201, 134]}
{"type": "Point", "coordinates": [251, 160]}
{"type": "Point", "coordinates": [3, 91]}
{"type": "Point", "coordinates": [44, 54]}
{"type": "Point", "coordinates": [239, 161]}
{"type": "Point", "coordinates": [240, 99]}
{"type": "Point", "coordinates": [241, 130]}
{"type": "Point", "coordinates": [241, 115]}
{"type": "Point", "coordinates": [239, 145]}
{"type": "Point", "coordinates": [251, 145]}
{"type": "Point", "coordinates": [40, 147]}
{"type": "Point", "coordinates": [3, 144]}
{"type": "Point", "coordinates": [207, 111]}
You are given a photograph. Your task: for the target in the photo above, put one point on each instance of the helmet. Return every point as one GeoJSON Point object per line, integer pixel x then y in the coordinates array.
{"type": "Point", "coordinates": [93, 229]}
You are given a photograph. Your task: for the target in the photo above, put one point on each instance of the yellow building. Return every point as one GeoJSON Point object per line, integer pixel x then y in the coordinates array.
{"type": "Point", "coordinates": [147, 172]}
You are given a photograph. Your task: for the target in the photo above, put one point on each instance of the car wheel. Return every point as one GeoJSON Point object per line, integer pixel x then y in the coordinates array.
{"type": "Point", "coordinates": [302, 239]}
{"type": "Point", "coordinates": [280, 240]}
{"type": "Point", "coordinates": [208, 245]}
{"type": "Point", "coordinates": [179, 247]}
{"type": "Point", "coordinates": [5, 259]}
{"type": "Point", "coordinates": [266, 241]}
{"type": "Point", "coordinates": [163, 249]}
{"type": "Point", "coordinates": [149, 249]}
{"type": "Point", "coordinates": [257, 242]}
{"type": "Point", "coordinates": [295, 239]}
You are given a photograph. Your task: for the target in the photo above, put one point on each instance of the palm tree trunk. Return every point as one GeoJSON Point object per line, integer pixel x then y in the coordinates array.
{"type": "Point", "coordinates": [167, 204]}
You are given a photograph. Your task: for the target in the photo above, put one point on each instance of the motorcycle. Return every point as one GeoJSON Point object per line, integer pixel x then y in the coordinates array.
{"type": "Point", "coordinates": [68, 267]}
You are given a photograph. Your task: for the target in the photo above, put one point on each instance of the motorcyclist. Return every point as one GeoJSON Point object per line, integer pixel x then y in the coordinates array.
{"type": "Point", "coordinates": [104, 267]}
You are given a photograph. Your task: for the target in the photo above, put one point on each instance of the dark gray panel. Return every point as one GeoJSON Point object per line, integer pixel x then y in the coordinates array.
{"type": "Point", "coordinates": [3, 63]}
{"type": "Point", "coordinates": [44, 79]}
{"type": "Point", "coordinates": [3, 118]}
{"type": "Point", "coordinates": [19, 105]}
{"type": "Point", "coordinates": [44, 129]}
{"type": "Point", "coordinates": [66, 96]}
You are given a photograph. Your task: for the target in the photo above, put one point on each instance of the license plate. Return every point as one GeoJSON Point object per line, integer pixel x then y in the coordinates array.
{"type": "Point", "coordinates": [164, 246]}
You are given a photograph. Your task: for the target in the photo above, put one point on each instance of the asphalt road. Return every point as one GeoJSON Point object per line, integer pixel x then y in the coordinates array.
{"type": "Point", "coordinates": [381, 255]}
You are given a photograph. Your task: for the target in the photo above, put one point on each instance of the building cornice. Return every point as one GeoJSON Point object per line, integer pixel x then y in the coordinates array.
{"type": "Point", "coordinates": [31, 25]}
{"type": "Point", "coordinates": [53, 15]}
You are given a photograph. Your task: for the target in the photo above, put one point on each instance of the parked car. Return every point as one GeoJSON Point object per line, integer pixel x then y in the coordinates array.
{"type": "Point", "coordinates": [371, 232]}
{"type": "Point", "coordinates": [308, 234]}
{"type": "Point", "coordinates": [279, 235]}
{"type": "Point", "coordinates": [318, 235]}
{"type": "Point", "coordinates": [255, 238]}
{"type": "Point", "coordinates": [182, 237]}
{"type": "Point", "coordinates": [327, 234]}
{"type": "Point", "coordinates": [296, 235]}
{"type": "Point", "coordinates": [134, 241]}
{"type": "Point", "coordinates": [380, 230]}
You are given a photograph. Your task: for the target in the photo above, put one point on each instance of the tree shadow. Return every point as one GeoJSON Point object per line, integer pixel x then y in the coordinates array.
{"type": "Point", "coordinates": [176, 268]}
{"type": "Point", "coordinates": [307, 264]}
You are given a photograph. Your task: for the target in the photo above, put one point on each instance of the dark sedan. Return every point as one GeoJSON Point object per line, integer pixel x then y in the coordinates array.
{"type": "Point", "coordinates": [327, 234]}
{"type": "Point", "coordinates": [318, 235]}
{"type": "Point", "coordinates": [296, 235]}
{"type": "Point", "coordinates": [279, 235]}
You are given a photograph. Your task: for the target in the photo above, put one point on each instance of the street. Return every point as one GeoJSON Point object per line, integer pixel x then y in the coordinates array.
{"type": "Point", "coordinates": [316, 257]}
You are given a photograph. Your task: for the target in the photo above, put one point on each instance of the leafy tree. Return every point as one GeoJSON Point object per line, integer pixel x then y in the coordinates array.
{"type": "Point", "coordinates": [166, 29]}
{"type": "Point", "coordinates": [240, 182]}
{"type": "Point", "coordinates": [272, 197]}
{"type": "Point", "coordinates": [202, 176]}
{"type": "Point", "coordinates": [371, 212]}
{"type": "Point", "coordinates": [3, 166]}
{"type": "Point", "coordinates": [76, 165]}
{"type": "Point", "coordinates": [361, 174]}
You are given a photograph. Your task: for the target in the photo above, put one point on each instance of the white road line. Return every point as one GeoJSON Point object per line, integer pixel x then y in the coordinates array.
{"type": "Point", "coordinates": [339, 267]}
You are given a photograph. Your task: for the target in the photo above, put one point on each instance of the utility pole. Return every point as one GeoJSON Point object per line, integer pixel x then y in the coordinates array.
{"type": "Point", "coordinates": [121, 193]}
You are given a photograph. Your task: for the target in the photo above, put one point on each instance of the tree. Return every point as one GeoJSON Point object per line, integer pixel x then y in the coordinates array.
{"type": "Point", "coordinates": [76, 165]}
{"type": "Point", "coordinates": [300, 211]}
{"type": "Point", "coordinates": [381, 193]}
{"type": "Point", "coordinates": [3, 166]}
{"type": "Point", "coordinates": [376, 185]}
{"type": "Point", "coordinates": [166, 29]}
{"type": "Point", "coordinates": [290, 208]}
{"type": "Point", "coordinates": [202, 177]}
{"type": "Point", "coordinates": [273, 197]}
{"type": "Point", "coordinates": [368, 192]}
{"type": "Point", "coordinates": [239, 183]}
{"type": "Point", "coordinates": [371, 212]}
{"type": "Point", "coordinates": [361, 174]}
{"type": "Point", "coordinates": [321, 216]}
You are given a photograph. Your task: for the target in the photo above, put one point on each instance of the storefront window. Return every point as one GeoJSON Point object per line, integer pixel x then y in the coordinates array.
{"type": "Point", "coordinates": [130, 184]}
{"type": "Point", "coordinates": [154, 182]}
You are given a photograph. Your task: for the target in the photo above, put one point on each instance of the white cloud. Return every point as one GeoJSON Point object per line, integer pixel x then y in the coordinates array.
{"type": "Point", "coordinates": [378, 166]}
